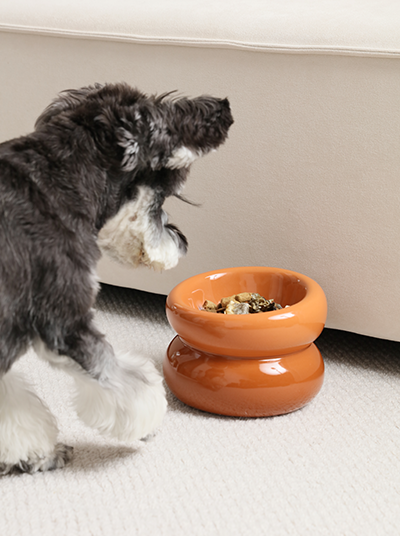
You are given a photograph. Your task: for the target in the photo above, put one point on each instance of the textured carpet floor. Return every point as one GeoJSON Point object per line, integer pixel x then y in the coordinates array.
{"type": "Point", "coordinates": [332, 467]}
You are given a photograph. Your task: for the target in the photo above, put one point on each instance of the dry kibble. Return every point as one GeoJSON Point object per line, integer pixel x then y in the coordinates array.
{"type": "Point", "coordinates": [225, 301]}
{"type": "Point", "coordinates": [236, 308]}
{"type": "Point", "coordinates": [242, 304]}
{"type": "Point", "coordinates": [210, 306]}
{"type": "Point", "coordinates": [243, 297]}
{"type": "Point", "coordinates": [258, 304]}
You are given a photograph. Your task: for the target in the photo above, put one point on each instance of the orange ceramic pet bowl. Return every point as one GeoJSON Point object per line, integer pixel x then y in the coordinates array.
{"type": "Point", "coordinates": [250, 365]}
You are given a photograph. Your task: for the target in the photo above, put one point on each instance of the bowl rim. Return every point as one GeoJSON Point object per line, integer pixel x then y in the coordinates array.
{"type": "Point", "coordinates": [312, 288]}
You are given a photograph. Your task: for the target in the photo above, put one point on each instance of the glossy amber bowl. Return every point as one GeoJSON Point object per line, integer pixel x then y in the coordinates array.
{"type": "Point", "coordinates": [246, 365]}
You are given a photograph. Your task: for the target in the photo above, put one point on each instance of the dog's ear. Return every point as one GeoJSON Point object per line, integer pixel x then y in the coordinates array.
{"type": "Point", "coordinates": [66, 100]}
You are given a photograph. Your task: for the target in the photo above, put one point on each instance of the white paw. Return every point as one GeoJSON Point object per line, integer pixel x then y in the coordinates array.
{"type": "Point", "coordinates": [28, 431]}
{"type": "Point", "coordinates": [127, 404]}
{"type": "Point", "coordinates": [56, 459]}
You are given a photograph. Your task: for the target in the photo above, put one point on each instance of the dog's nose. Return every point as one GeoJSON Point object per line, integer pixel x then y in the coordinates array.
{"type": "Point", "coordinates": [226, 111]}
{"type": "Point", "coordinates": [225, 104]}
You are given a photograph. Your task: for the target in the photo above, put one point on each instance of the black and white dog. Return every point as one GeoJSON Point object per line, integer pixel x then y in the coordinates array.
{"type": "Point", "coordinates": [93, 175]}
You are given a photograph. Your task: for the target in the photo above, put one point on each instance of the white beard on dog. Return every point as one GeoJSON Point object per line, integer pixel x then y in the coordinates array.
{"type": "Point", "coordinates": [131, 237]}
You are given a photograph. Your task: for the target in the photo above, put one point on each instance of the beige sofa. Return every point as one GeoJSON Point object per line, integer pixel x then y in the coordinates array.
{"type": "Point", "coordinates": [309, 178]}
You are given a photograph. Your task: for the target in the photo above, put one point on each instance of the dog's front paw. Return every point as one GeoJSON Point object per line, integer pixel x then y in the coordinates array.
{"type": "Point", "coordinates": [127, 403]}
{"type": "Point", "coordinates": [141, 418]}
{"type": "Point", "coordinates": [57, 459]}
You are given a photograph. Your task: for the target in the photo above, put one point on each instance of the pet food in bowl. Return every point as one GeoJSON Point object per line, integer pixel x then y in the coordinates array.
{"type": "Point", "coordinates": [242, 304]}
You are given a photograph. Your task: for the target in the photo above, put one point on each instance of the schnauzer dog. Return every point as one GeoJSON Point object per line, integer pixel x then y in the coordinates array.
{"type": "Point", "coordinates": [92, 176]}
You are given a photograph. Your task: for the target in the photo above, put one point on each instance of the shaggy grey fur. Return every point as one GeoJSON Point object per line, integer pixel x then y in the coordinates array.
{"type": "Point", "coordinates": [60, 184]}
{"type": "Point", "coordinates": [91, 150]}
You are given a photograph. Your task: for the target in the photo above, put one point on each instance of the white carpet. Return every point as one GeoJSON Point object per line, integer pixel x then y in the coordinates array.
{"type": "Point", "coordinates": [331, 468]}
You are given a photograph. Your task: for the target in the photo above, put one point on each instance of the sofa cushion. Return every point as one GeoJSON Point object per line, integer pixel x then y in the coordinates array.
{"type": "Point", "coordinates": [315, 26]}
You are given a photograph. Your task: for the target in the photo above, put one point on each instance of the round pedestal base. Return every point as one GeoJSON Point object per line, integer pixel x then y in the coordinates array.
{"type": "Point", "coordinates": [243, 387]}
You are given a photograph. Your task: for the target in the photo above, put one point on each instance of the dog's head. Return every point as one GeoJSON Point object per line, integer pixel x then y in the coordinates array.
{"type": "Point", "coordinates": [146, 144]}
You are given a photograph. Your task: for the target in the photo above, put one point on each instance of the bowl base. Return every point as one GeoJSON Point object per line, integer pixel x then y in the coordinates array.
{"type": "Point", "coordinates": [243, 387]}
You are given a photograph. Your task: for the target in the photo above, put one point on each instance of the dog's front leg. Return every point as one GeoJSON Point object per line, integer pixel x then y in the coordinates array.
{"type": "Point", "coordinates": [122, 396]}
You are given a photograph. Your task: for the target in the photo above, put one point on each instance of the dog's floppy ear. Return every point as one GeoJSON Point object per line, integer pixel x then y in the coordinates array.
{"type": "Point", "coordinates": [66, 100]}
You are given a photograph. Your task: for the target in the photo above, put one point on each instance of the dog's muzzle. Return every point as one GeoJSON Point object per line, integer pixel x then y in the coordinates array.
{"type": "Point", "coordinates": [139, 235]}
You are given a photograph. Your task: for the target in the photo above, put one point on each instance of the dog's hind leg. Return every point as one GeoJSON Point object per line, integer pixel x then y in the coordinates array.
{"type": "Point", "coordinates": [122, 396]}
{"type": "Point", "coordinates": [28, 431]}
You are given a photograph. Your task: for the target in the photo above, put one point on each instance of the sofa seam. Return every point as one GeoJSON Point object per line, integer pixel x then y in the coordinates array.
{"type": "Point", "coordinates": [199, 43]}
